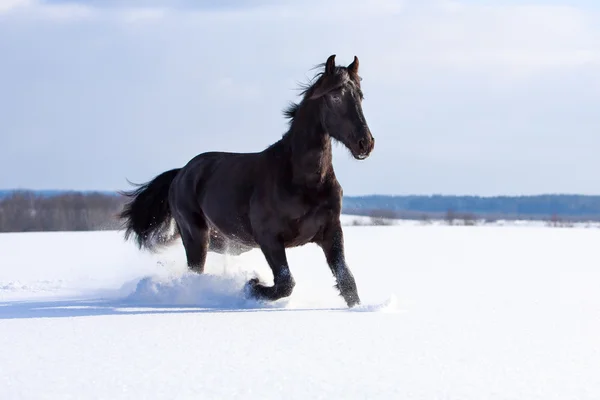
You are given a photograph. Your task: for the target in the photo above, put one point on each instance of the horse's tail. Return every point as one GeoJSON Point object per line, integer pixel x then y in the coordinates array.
{"type": "Point", "coordinates": [148, 214]}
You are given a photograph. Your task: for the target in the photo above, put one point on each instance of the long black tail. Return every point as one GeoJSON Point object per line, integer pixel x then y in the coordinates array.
{"type": "Point", "coordinates": [148, 214]}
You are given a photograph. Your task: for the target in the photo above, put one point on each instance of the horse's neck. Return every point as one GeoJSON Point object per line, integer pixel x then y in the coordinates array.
{"type": "Point", "coordinates": [310, 154]}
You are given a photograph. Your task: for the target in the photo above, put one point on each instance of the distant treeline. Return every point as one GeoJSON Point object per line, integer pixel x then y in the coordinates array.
{"type": "Point", "coordinates": [538, 207]}
{"type": "Point", "coordinates": [26, 211]}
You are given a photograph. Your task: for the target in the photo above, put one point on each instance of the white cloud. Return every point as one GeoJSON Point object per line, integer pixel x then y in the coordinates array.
{"type": "Point", "coordinates": [35, 10]}
{"type": "Point", "coordinates": [511, 40]}
{"type": "Point", "coordinates": [141, 14]}
{"type": "Point", "coordinates": [10, 5]}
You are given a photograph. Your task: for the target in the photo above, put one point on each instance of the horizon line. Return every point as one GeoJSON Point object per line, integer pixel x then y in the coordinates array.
{"type": "Point", "coordinates": [555, 194]}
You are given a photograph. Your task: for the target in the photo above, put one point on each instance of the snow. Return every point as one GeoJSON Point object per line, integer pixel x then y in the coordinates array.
{"type": "Point", "coordinates": [448, 312]}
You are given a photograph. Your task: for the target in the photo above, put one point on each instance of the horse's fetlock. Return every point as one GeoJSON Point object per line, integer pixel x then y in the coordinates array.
{"type": "Point", "coordinates": [286, 287]}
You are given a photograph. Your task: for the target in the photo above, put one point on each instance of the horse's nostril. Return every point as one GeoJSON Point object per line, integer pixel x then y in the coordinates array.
{"type": "Point", "coordinates": [361, 145]}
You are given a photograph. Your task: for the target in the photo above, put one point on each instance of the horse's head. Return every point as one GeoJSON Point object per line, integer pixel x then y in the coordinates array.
{"type": "Point", "coordinates": [339, 95]}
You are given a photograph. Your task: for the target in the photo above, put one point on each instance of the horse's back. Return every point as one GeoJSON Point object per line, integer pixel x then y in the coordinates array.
{"type": "Point", "coordinates": [213, 169]}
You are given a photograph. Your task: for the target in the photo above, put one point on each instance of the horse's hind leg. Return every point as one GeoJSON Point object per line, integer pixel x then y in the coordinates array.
{"type": "Point", "coordinates": [195, 236]}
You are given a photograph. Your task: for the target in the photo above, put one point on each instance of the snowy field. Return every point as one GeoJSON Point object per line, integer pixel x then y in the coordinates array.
{"type": "Point", "coordinates": [482, 312]}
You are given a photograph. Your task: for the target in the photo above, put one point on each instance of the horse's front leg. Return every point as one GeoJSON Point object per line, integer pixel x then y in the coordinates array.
{"type": "Point", "coordinates": [284, 283]}
{"type": "Point", "coordinates": [332, 244]}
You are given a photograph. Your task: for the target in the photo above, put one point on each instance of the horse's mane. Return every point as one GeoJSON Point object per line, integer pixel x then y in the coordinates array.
{"type": "Point", "coordinates": [290, 111]}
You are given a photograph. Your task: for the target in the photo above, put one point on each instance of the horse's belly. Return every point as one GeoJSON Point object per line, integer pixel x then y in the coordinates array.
{"type": "Point", "coordinates": [298, 240]}
{"type": "Point", "coordinates": [301, 232]}
{"type": "Point", "coordinates": [231, 231]}
{"type": "Point", "coordinates": [229, 219]}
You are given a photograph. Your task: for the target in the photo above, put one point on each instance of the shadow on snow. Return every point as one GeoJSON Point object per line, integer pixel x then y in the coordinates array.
{"type": "Point", "coordinates": [188, 293]}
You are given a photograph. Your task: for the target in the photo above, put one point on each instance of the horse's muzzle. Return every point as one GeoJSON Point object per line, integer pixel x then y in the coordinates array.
{"type": "Point", "coordinates": [364, 147]}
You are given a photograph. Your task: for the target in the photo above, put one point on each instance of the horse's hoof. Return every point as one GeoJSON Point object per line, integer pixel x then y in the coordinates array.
{"type": "Point", "coordinates": [250, 288]}
{"type": "Point", "coordinates": [353, 303]}
{"type": "Point", "coordinates": [258, 291]}
{"type": "Point", "coordinates": [352, 300]}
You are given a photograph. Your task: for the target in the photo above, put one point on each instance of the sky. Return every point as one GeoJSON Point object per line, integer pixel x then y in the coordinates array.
{"type": "Point", "coordinates": [463, 97]}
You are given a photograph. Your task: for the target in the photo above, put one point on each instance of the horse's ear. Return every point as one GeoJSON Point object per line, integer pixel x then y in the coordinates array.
{"type": "Point", "coordinates": [330, 65]}
{"type": "Point", "coordinates": [353, 67]}
{"type": "Point", "coordinates": [325, 85]}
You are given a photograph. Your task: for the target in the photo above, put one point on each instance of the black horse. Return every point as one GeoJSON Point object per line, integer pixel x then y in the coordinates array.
{"type": "Point", "coordinates": [284, 196]}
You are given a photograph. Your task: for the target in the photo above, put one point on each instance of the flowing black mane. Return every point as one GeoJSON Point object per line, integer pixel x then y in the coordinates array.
{"type": "Point", "coordinates": [290, 111]}
{"type": "Point", "coordinates": [292, 108]}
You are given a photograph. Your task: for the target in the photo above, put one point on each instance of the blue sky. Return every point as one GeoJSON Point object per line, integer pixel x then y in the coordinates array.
{"type": "Point", "coordinates": [463, 97]}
